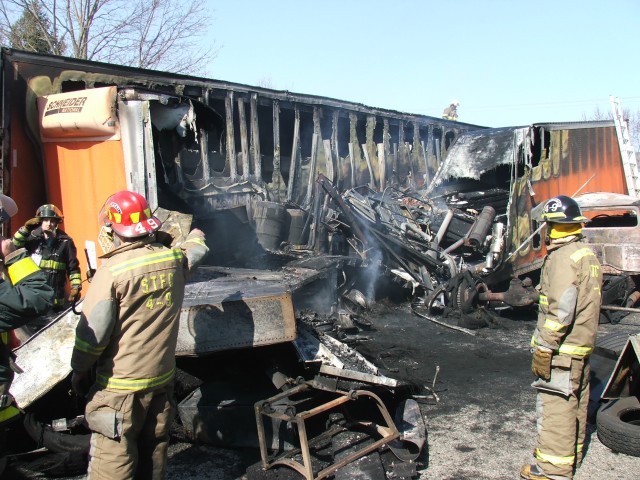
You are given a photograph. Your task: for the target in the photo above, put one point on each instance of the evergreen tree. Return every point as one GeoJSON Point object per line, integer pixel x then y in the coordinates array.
{"type": "Point", "coordinates": [32, 32]}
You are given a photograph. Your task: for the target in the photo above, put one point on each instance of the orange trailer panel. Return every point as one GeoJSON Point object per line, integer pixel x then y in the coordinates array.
{"type": "Point", "coordinates": [80, 177]}
{"type": "Point", "coordinates": [84, 160]}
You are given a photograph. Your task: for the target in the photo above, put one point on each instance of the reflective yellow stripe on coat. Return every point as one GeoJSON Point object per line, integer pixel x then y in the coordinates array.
{"type": "Point", "coordinates": [135, 385]}
{"type": "Point", "coordinates": [21, 269]}
{"type": "Point", "coordinates": [553, 325]}
{"type": "Point", "coordinates": [88, 348]}
{"type": "Point", "coordinates": [8, 413]}
{"type": "Point", "coordinates": [580, 254]}
{"type": "Point", "coordinates": [575, 350]}
{"type": "Point", "coordinates": [53, 265]}
{"type": "Point", "coordinates": [151, 259]}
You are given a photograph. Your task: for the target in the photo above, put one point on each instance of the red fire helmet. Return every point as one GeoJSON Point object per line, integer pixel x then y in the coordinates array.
{"type": "Point", "coordinates": [129, 215]}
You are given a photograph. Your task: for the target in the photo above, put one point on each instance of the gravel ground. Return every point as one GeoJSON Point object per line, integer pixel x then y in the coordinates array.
{"type": "Point", "coordinates": [481, 427]}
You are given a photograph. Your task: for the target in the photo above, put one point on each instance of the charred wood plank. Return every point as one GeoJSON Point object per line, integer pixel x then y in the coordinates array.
{"type": "Point", "coordinates": [255, 137]}
{"type": "Point", "coordinates": [295, 150]}
{"type": "Point", "coordinates": [231, 142]}
{"type": "Point", "coordinates": [244, 140]}
{"type": "Point", "coordinates": [277, 174]}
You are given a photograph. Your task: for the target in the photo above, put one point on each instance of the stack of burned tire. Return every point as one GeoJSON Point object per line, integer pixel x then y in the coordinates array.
{"type": "Point", "coordinates": [617, 420]}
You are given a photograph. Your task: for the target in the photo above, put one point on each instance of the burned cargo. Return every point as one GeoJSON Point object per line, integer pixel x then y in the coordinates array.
{"type": "Point", "coordinates": [469, 237]}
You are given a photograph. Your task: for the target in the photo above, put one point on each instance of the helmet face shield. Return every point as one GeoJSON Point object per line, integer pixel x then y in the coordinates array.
{"type": "Point", "coordinates": [8, 208]}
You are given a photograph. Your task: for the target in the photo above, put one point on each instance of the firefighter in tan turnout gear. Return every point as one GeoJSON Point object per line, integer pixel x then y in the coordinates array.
{"type": "Point", "coordinates": [569, 310]}
{"type": "Point", "coordinates": [128, 329]}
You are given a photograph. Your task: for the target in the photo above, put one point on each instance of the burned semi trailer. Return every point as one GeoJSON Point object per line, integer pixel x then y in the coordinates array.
{"type": "Point", "coordinates": [435, 204]}
{"type": "Point", "coordinates": [226, 153]}
{"type": "Point", "coordinates": [241, 162]}
{"type": "Point", "coordinates": [485, 191]}
{"type": "Point", "coordinates": [470, 238]}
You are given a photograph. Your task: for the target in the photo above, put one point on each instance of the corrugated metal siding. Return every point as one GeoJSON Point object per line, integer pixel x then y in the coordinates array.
{"type": "Point", "coordinates": [575, 156]}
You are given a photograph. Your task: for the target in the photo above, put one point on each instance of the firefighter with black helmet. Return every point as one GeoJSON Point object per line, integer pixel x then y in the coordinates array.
{"type": "Point", "coordinates": [128, 330]}
{"type": "Point", "coordinates": [24, 295]}
{"type": "Point", "coordinates": [564, 338]}
{"type": "Point", "coordinates": [54, 251]}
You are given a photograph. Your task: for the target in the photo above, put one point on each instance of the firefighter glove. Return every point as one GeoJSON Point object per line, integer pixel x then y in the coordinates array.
{"type": "Point", "coordinates": [32, 224]}
{"type": "Point", "coordinates": [541, 363]}
{"type": "Point", "coordinates": [74, 294]}
{"type": "Point", "coordinates": [80, 383]}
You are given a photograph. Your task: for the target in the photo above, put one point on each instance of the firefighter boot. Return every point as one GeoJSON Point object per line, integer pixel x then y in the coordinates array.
{"type": "Point", "coordinates": [532, 472]}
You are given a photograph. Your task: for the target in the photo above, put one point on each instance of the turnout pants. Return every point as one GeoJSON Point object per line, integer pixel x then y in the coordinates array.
{"type": "Point", "coordinates": [130, 433]}
{"type": "Point", "coordinates": [562, 422]}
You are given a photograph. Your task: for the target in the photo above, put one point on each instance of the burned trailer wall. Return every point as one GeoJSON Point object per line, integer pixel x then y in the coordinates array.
{"type": "Point", "coordinates": [512, 170]}
{"type": "Point", "coordinates": [238, 145]}
{"type": "Point", "coordinates": [350, 147]}
{"type": "Point", "coordinates": [564, 159]}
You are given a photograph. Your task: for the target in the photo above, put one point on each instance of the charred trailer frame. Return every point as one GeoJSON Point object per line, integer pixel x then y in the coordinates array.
{"type": "Point", "coordinates": [212, 148]}
{"type": "Point", "coordinates": [509, 171]}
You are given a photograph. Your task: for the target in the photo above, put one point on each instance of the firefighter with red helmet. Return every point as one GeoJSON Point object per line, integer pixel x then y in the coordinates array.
{"type": "Point", "coordinates": [564, 338]}
{"type": "Point", "coordinates": [128, 331]}
{"type": "Point", "coordinates": [24, 295]}
{"type": "Point", "coordinates": [54, 251]}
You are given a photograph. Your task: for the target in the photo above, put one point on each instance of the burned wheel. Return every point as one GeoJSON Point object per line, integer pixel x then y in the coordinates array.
{"type": "Point", "coordinates": [618, 424]}
{"type": "Point", "coordinates": [436, 301]}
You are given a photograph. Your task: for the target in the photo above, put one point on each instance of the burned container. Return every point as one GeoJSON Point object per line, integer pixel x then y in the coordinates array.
{"type": "Point", "coordinates": [297, 223]}
{"type": "Point", "coordinates": [269, 218]}
{"type": "Point", "coordinates": [481, 227]}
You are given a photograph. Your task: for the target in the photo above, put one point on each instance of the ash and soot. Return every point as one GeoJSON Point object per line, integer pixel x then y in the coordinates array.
{"type": "Point", "coordinates": [474, 393]}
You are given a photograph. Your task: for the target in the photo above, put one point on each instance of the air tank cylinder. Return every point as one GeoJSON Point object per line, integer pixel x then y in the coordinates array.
{"type": "Point", "coordinates": [497, 245]}
{"type": "Point", "coordinates": [481, 227]}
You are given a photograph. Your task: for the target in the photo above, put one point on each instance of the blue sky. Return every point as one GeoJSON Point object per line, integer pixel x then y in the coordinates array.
{"type": "Point", "coordinates": [508, 62]}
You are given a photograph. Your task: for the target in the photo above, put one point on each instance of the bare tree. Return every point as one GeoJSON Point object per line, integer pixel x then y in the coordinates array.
{"type": "Point", "coordinates": [266, 82]}
{"type": "Point", "coordinates": [632, 118]}
{"type": "Point", "coordinates": [164, 26]}
{"type": "Point", "coordinates": [158, 34]}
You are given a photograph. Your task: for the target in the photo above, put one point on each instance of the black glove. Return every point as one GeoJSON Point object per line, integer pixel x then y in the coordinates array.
{"type": "Point", "coordinates": [31, 224]}
{"type": "Point", "coordinates": [81, 382]}
{"type": "Point", "coordinates": [541, 363]}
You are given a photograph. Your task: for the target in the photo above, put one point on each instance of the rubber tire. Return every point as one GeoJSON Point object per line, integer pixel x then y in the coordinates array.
{"type": "Point", "coordinates": [618, 423]}
{"type": "Point", "coordinates": [603, 361]}
{"type": "Point", "coordinates": [605, 355]}
{"type": "Point", "coordinates": [612, 342]}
